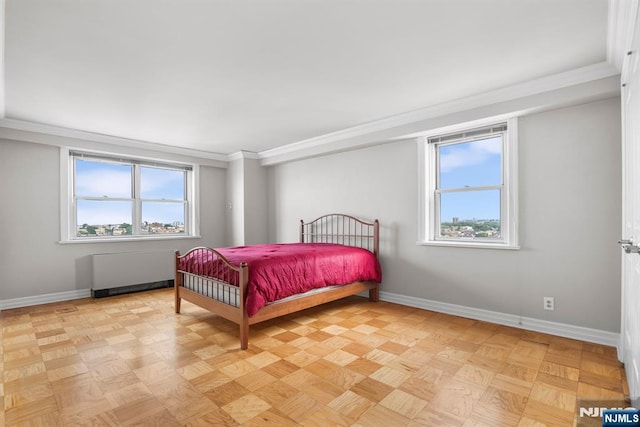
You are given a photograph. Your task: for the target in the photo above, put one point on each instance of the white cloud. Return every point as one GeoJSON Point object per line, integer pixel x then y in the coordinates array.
{"type": "Point", "coordinates": [104, 183]}
{"type": "Point", "coordinates": [167, 181]}
{"type": "Point", "coordinates": [470, 153]}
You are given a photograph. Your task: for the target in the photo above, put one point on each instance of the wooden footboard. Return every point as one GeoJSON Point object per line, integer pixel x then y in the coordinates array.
{"type": "Point", "coordinates": [217, 285]}
{"type": "Point", "coordinates": [221, 287]}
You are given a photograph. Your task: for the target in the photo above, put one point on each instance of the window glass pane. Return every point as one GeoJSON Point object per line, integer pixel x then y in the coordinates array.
{"type": "Point", "coordinates": [103, 218]}
{"type": "Point", "coordinates": [470, 214]}
{"type": "Point", "coordinates": [471, 164]}
{"type": "Point", "coordinates": [100, 179]}
{"type": "Point", "coordinates": [162, 218]}
{"type": "Point", "coordinates": [157, 183]}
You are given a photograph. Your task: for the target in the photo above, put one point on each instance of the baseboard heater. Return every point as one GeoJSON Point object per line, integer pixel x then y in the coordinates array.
{"type": "Point", "coordinates": [126, 272]}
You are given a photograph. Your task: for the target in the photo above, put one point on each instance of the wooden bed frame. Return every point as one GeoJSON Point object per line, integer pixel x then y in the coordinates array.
{"type": "Point", "coordinates": [332, 228]}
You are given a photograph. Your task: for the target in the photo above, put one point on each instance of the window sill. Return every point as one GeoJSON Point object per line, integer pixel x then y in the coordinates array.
{"type": "Point", "coordinates": [125, 239]}
{"type": "Point", "coordinates": [467, 244]}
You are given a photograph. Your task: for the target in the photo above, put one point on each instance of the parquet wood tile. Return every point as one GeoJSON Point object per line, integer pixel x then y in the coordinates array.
{"type": "Point", "coordinates": [492, 414]}
{"type": "Point", "coordinates": [524, 373]}
{"type": "Point", "coordinates": [598, 393]}
{"type": "Point", "coordinates": [403, 403]}
{"type": "Point", "coordinates": [558, 382]}
{"type": "Point", "coordinates": [379, 416]}
{"type": "Point", "coordinates": [512, 384]}
{"type": "Point", "coordinates": [130, 360]}
{"type": "Point", "coordinates": [432, 416]}
{"type": "Point", "coordinates": [548, 415]}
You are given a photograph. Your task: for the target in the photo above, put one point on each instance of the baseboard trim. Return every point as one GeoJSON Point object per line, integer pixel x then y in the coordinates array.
{"type": "Point", "coordinates": [559, 329]}
{"type": "Point", "coordinates": [44, 299]}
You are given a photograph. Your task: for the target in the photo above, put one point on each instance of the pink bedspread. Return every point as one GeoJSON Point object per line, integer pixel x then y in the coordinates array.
{"type": "Point", "coordinates": [278, 271]}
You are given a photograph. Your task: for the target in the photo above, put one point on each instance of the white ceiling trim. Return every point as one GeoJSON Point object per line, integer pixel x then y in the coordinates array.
{"type": "Point", "coordinates": [622, 14]}
{"type": "Point", "coordinates": [546, 84]}
{"type": "Point", "coordinates": [243, 155]}
{"type": "Point", "coordinates": [41, 133]}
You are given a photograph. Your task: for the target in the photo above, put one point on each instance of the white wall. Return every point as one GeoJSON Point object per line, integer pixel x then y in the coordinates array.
{"type": "Point", "coordinates": [255, 203]}
{"type": "Point", "coordinates": [32, 261]}
{"type": "Point", "coordinates": [247, 193]}
{"type": "Point", "coordinates": [569, 203]}
{"type": "Point", "coordinates": [235, 205]}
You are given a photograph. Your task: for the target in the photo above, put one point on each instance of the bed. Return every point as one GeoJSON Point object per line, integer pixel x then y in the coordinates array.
{"type": "Point", "coordinates": [337, 256]}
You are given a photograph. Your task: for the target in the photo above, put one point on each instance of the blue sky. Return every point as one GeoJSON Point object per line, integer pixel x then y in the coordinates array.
{"type": "Point", "coordinates": [470, 164]}
{"type": "Point", "coordinates": [98, 179]}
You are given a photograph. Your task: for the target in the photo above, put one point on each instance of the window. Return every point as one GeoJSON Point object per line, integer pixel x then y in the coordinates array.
{"type": "Point", "coordinates": [469, 192]}
{"type": "Point", "coordinates": [113, 198]}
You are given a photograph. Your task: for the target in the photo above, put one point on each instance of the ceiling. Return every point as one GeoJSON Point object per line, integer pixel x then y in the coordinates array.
{"type": "Point", "coordinates": [228, 75]}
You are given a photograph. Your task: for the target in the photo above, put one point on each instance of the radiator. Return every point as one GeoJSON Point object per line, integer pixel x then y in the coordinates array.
{"type": "Point", "coordinates": [124, 272]}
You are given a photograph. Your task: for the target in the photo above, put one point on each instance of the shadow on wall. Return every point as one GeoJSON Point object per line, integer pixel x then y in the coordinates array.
{"type": "Point", "coordinates": [84, 272]}
{"type": "Point", "coordinates": [389, 241]}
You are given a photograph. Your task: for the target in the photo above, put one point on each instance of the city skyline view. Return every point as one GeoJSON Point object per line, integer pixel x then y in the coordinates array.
{"type": "Point", "coordinates": [470, 164]}
{"type": "Point", "coordinates": [104, 194]}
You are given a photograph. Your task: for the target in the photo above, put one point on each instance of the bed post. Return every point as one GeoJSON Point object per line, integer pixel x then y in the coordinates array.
{"type": "Point", "coordinates": [243, 280]}
{"type": "Point", "coordinates": [376, 237]}
{"type": "Point", "coordinates": [177, 283]}
{"type": "Point", "coordinates": [301, 231]}
{"type": "Point", "coordinates": [374, 293]}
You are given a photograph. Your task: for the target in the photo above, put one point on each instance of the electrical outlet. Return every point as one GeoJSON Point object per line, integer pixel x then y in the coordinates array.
{"type": "Point", "coordinates": [549, 303]}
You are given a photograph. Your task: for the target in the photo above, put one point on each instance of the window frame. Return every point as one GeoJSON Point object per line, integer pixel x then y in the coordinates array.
{"type": "Point", "coordinates": [429, 215]}
{"type": "Point", "coordinates": [68, 206]}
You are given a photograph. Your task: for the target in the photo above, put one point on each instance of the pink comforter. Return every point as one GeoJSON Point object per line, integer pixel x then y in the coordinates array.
{"type": "Point", "coordinates": [278, 271]}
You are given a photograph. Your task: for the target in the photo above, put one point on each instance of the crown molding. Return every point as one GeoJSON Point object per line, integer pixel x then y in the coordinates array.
{"type": "Point", "coordinates": [243, 155]}
{"type": "Point", "coordinates": [390, 128]}
{"type": "Point", "coordinates": [59, 136]}
{"type": "Point", "coordinates": [621, 22]}
{"type": "Point", "coordinates": [302, 149]}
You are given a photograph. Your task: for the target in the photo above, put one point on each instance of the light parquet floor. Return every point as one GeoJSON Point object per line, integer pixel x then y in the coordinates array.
{"type": "Point", "coordinates": [129, 360]}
